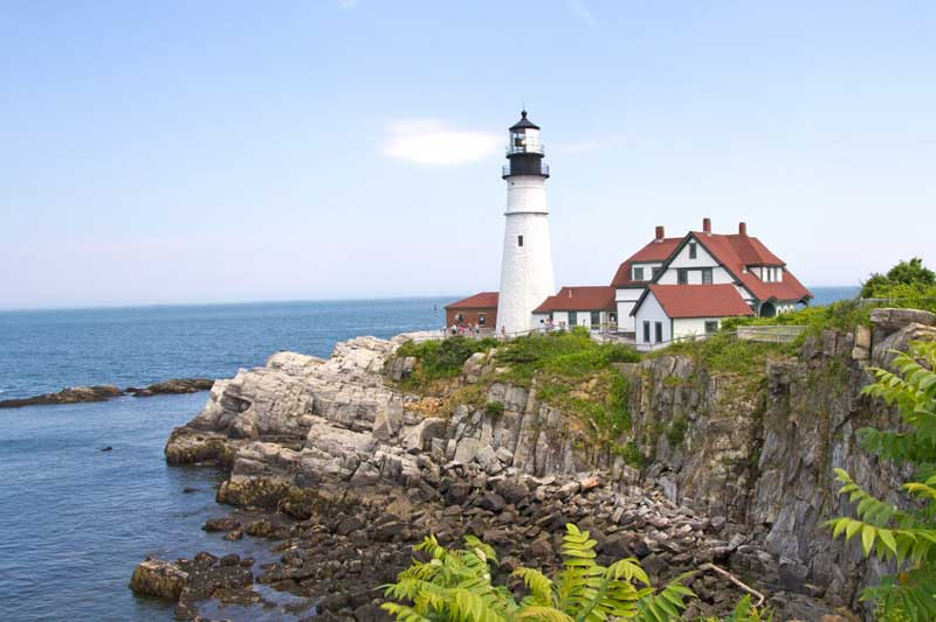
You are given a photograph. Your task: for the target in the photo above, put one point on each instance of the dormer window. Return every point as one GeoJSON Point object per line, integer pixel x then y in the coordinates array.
{"type": "Point", "coordinates": [638, 274]}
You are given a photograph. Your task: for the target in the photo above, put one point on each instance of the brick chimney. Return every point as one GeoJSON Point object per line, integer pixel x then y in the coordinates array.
{"type": "Point", "coordinates": [742, 229]}
{"type": "Point", "coordinates": [660, 233]}
{"type": "Point", "coordinates": [707, 226]}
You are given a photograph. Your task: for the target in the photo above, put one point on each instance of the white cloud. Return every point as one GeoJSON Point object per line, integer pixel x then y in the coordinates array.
{"type": "Point", "coordinates": [431, 141]}
{"type": "Point", "coordinates": [345, 5]}
{"type": "Point", "coordinates": [578, 6]}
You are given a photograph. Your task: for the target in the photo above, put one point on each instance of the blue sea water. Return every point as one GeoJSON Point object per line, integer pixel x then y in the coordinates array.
{"type": "Point", "coordinates": [828, 295]}
{"type": "Point", "coordinates": [74, 520]}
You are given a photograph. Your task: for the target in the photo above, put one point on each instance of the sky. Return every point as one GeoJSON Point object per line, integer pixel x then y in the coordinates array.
{"type": "Point", "coordinates": [175, 152]}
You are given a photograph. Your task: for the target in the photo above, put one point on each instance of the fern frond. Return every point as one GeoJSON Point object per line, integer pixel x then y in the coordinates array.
{"type": "Point", "coordinates": [539, 585]}
{"type": "Point", "coordinates": [547, 614]}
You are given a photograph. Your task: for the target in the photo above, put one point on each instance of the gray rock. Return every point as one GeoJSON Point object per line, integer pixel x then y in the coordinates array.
{"type": "Point", "coordinates": [890, 319]}
{"type": "Point", "coordinates": [487, 458]}
{"type": "Point", "coordinates": [154, 577]}
{"type": "Point", "coordinates": [467, 450]}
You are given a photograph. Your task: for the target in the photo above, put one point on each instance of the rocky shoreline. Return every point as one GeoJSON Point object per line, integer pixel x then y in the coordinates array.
{"type": "Point", "coordinates": [344, 472]}
{"type": "Point", "coordinates": [102, 393]}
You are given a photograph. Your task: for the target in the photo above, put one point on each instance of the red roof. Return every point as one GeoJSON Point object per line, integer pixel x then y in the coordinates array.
{"type": "Point", "coordinates": [580, 298]}
{"type": "Point", "coordinates": [484, 300]}
{"type": "Point", "coordinates": [688, 301]}
{"type": "Point", "coordinates": [655, 251]}
{"type": "Point", "coordinates": [736, 252]}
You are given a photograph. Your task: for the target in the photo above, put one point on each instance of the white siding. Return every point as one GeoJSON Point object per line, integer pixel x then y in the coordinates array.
{"type": "Point", "coordinates": [626, 297]}
{"type": "Point", "coordinates": [651, 311]}
{"type": "Point", "coordinates": [702, 260]}
{"type": "Point", "coordinates": [625, 319]}
{"type": "Point", "coordinates": [647, 270]}
{"type": "Point", "coordinates": [560, 318]}
{"type": "Point", "coordinates": [692, 327]}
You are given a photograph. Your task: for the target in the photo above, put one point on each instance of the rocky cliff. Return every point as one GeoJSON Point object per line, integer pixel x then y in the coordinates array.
{"type": "Point", "coordinates": [744, 462]}
{"type": "Point", "coordinates": [760, 449]}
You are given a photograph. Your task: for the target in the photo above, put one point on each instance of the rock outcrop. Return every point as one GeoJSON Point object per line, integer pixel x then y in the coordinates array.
{"type": "Point", "coordinates": [71, 395]}
{"type": "Point", "coordinates": [760, 451]}
{"type": "Point", "coordinates": [102, 393]}
{"type": "Point", "coordinates": [172, 387]}
{"type": "Point", "coordinates": [739, 470]}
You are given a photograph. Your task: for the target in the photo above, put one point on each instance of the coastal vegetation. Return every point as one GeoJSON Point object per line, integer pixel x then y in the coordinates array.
{"type": "Point", "coordinates": [568, 369]}
{"type": "Point", "coordinates": [457, 585]}
{"type": "Point", "coordinates": [909, 284]}
{"type": "Point", "coordinates": [441, 359]}
{"type": "Point", "coordinates": [907, 537]}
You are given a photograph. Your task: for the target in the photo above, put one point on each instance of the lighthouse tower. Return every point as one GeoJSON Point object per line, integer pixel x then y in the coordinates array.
{"type": "Point", "coordinates": [526, 265]}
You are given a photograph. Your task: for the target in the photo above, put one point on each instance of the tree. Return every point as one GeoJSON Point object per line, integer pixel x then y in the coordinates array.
{"type": "Point", "coordinates": [912, 273]}
{"type": "Point", "coordinates": [906, 536]}
{"type": "Point", "coordinates": [457, 585]}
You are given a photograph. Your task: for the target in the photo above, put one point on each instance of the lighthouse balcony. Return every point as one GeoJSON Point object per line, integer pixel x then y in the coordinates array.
{"type": "Point", "coordinates": [541, 169]}
{"type": "Point", "coordinates": [515, 149]}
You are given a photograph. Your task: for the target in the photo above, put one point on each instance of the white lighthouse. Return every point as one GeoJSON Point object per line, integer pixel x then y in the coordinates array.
{"type": "Point", "coordinates": [526, 265]}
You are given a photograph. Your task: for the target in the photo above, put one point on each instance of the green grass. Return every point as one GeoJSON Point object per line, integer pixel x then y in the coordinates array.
{"type": "Point", "coordinates": [441, 359]}
{"type": "Point", "coordinates": [842, 316]}
{"type": "Point", "coordinates": [568, 354]}
{"type": "Point", "coordinates": [723, 352]}
{"type": "Point", "coordinates": [574, 373]}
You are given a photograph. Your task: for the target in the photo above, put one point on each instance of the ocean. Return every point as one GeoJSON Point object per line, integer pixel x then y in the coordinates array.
{"type": "Point", "coordinates": [76, 520]}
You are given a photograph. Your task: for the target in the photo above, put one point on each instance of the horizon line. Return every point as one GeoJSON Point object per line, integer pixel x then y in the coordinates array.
{"type": "Point", "coordinates": [156, 305]}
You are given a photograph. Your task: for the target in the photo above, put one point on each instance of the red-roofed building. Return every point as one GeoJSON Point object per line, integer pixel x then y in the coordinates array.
{"type": "Point", "coordinates": [632, 276]}
{"type": "Point", "coordinates": [591, 306]}
{"type": "Point", "coordinates": [478, 310]}
{"type": "Point", "coordinates": [705, 278]}
{"type": "Point", "coordinates": [666, 313]}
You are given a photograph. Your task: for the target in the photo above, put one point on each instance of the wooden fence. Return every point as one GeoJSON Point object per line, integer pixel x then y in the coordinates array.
{"type": "Point", "coordinates": [770, 334]}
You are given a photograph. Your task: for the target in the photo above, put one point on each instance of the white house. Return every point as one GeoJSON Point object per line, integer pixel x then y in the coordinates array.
{"type": "Point", "coordinates": [704, 258]}
{"type": "Point", "coordinates": [667, 313]}
{"type": "Point", "coordinates": [632, 277]}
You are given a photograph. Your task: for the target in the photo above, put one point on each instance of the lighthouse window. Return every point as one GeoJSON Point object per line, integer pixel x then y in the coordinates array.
{"type": "Point", "coordinates": [519, 240]}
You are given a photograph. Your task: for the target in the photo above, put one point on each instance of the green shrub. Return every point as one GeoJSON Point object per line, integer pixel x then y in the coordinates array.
{"type": "Point", "coordinates": [907, 276]}
{"type": "Point", "coordinates": [676, 432]}
{"type": "Point", "coordinates": [494, 409]}
{"type": "Point", "coordinates": [457, 585]}
{"type": "Point", "coordinates": [442, 359]}
{"type": "Point", "coordinates": [723, 352]}
{"type": "Point", "coordinates": [631, 454]}
{"type": "Point", "coordinates": [570, 354]}
{"type": "Point", "coordinates": [842, 316]}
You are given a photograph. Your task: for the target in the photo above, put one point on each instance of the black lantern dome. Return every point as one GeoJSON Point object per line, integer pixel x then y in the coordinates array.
{"type": "Point", "coordinates": [525, 151]}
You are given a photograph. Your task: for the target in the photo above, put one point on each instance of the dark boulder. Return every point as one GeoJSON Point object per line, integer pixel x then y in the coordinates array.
{"type": "Point", "coordinates": [173, 387]}
{"type": "Point", "coordinates": [71, 395]}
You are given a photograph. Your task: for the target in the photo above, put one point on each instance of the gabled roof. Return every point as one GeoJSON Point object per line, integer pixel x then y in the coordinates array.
{"type": "Point", "coordinates": [655, 251]}
{"type": "Point", "coordinates": [696, 301]}
{"type": "Point", "coordinates": [580, 298]}
{"type": "Point", "coordinates": [735, 252]}
{"type": "Point", "coordinates": [483, 300]}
